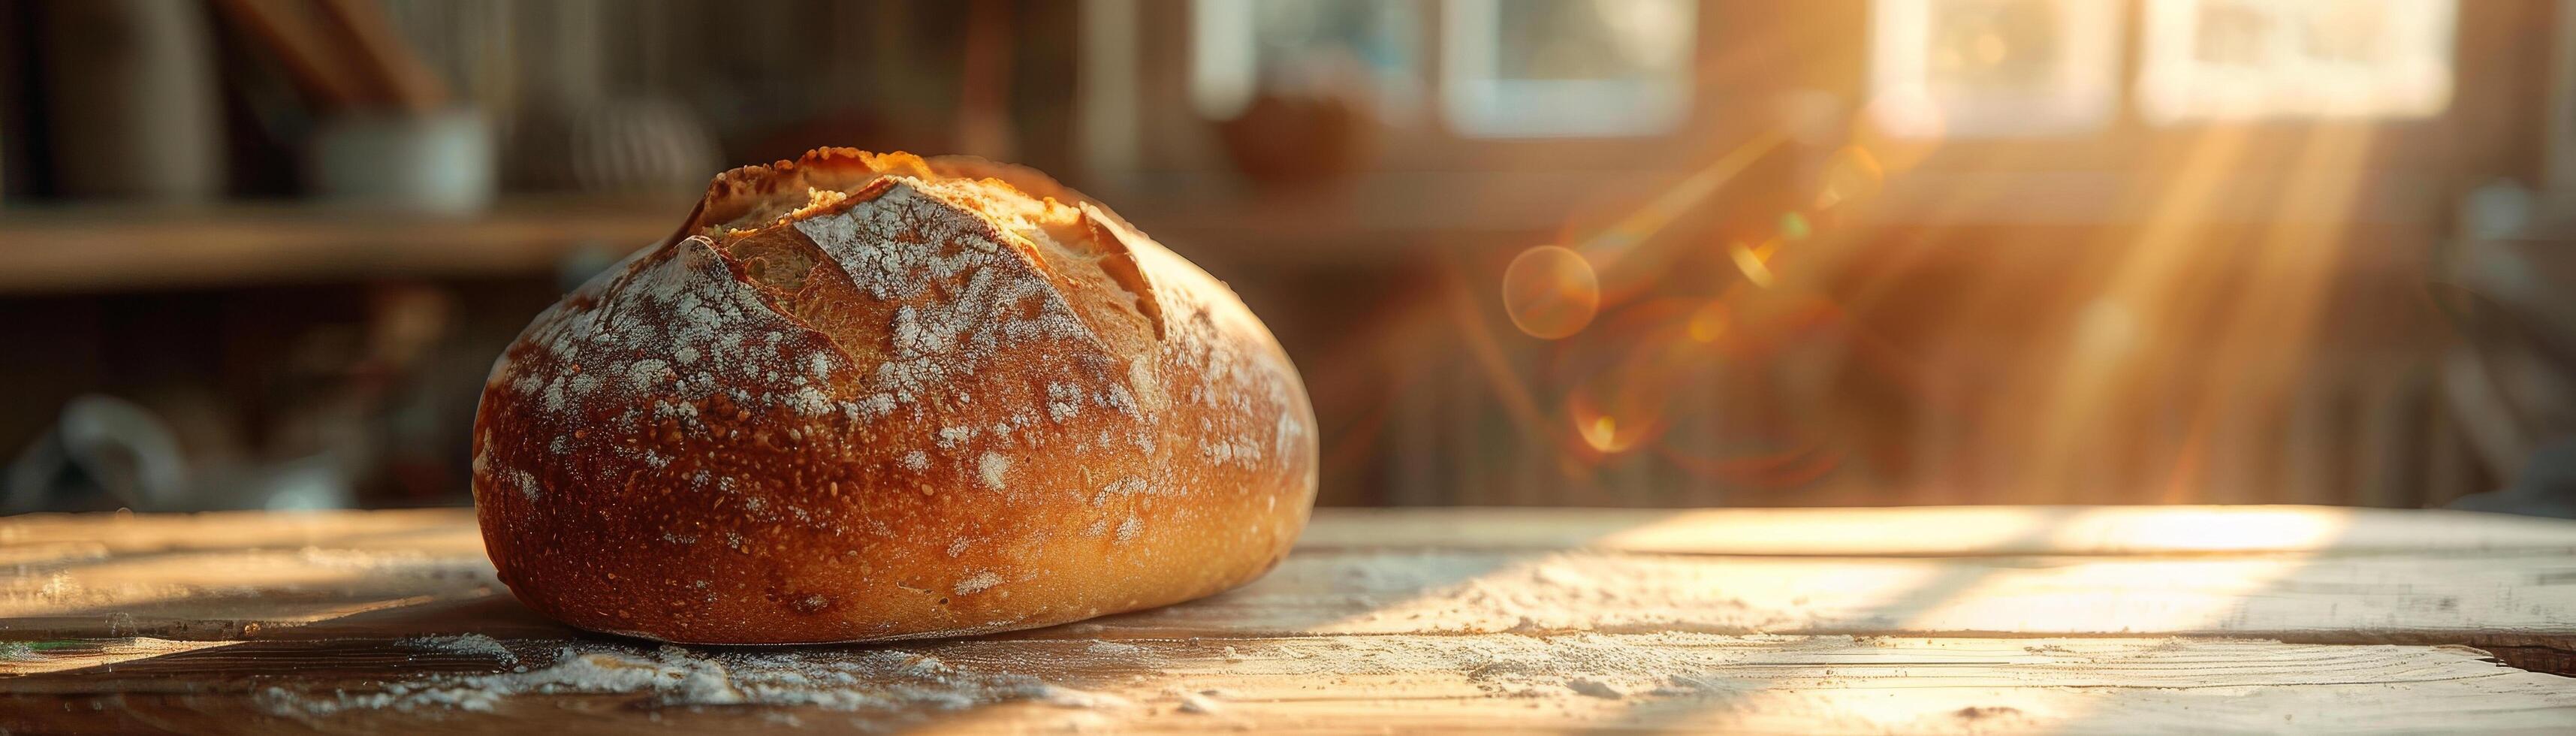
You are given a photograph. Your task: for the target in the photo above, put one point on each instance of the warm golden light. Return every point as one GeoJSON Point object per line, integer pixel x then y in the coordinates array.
{"type": "Point", "coordinates": [1754, 262]}
{"type": "Point", "coordinates": [1851, 174]}
{"type": "Point", "coordinates": [1993, 69]}
{"type": "Point", "coordinates": [2251, 59]}
{"type": "Point", "coordinates": [1550, 292]}
{"type": "Point", "coordinates": [1794, 227]}
{"type": "Point", "coordinates": [2217, 587]}
{"type": "Point", "coordinates": [1609, 247]}
{"type": "Point", "coordinates": [1626, 398]}
{"type": "Point", "coordinates": [107, 656]}
{"type": "Point", "coordinates": [1990, 49]}
{"type": "Point", "coordinates": [1707, 323]}
{"type": "Point", "coordinates": [1603, 431]}
{"type": "Point", "coordinates": [2106, 329]}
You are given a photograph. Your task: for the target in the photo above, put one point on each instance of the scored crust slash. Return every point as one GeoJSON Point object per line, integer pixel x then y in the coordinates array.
{"type": "Point", "coordinates": [864, 397]}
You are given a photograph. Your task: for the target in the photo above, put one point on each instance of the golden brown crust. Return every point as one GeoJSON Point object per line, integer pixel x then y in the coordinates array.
{"type": "Point", "coordinates": [942, 397]}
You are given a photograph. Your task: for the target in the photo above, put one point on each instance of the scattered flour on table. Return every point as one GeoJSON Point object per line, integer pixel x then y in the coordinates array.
{"type": "Point", "coordinates": [840, 680]}
{"type": "Point", "coordinates": [1114, 648]}
{"type": "Point", "coordinates": [1593, 688]}
{"type": "Point", "coordinates": [1199, 702]}
{"type": "Point", "coordinates": [472, 645]}
{"type": "Point", "coordinates": [1462, 592]}
{"type": "Point", "coordinates": [1589, 664]}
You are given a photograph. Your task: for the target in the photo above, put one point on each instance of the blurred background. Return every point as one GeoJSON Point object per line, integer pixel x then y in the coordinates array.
{"type": "Point", "coordinates": [261, 253]}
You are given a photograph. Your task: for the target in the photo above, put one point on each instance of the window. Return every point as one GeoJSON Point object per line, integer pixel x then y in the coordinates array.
{"type": "Point", "coordinates": [1241, 46]}
{"type": "Point", "coordinates": [2250, 59]}
{"type": "Point", "coordinates": [1552, 68]}
{"type": "Point", "coordinates": [1984, 68]}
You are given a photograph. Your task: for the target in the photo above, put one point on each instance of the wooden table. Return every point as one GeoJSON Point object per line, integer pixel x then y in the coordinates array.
{"type": "Point", "coordinates": [1802, 620]}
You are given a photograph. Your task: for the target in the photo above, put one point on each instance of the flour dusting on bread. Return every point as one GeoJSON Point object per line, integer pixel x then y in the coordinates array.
{"type": "Point", "coordinates": [847, 366]}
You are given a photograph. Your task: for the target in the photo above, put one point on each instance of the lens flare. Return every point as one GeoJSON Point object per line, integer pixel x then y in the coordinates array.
{"type": "Point", "coordinates": [1608, 248]}
{"type": "Point", "coordinates": [1603, 432]}
{"type": "Point", "coordinates": [1794, 227]}
{"type": "Point", "coordinates": [1628, 375]}
{"type": "Point", "coordinates": [1550, 292]}
{"type": "Point", "coordinates": [1851, 174]}
{"type": "Point", "coordinates": [1754, 262]}
{"type": "Point", "coordinates": [1707, 323]}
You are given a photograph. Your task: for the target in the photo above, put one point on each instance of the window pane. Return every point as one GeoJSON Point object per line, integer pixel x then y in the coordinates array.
{"type": "Point", "coordinates": [2247, 59]}
{"type": "Point", "coordinates": [1241, 46]}
{"type": "Point", "coordinates": [1534, 68]}
{"type": "Point", "coordinates": [1980, 68]}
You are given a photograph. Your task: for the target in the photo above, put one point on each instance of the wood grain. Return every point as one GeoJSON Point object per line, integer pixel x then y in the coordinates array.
{"type": "Point", "coordinates": [1369, 683]}
{"type": "Point", "coordinates": [1933, 531]}
{"type": "Point", "coordinates": [1933, 620]}
{"type": "Point", "coordinates": [2480, 580]}
{"type": "Point", "coordinates": [1948, 531]}
{"type": "Point", "coordinates": [2475, 600]}
{"type": "Point", "coordinates": [117, 248]}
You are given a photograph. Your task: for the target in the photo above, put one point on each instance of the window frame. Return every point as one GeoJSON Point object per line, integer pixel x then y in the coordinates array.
{"type": "Point", "coordinates": [1750, 57]}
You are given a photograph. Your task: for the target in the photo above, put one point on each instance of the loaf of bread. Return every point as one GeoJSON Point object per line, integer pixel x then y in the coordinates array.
{"type": "Point", "coordinates": [863, 397]}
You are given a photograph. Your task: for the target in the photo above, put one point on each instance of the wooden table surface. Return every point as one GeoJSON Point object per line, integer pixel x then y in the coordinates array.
{"type": "Point", "coordinates": [2002, 619]}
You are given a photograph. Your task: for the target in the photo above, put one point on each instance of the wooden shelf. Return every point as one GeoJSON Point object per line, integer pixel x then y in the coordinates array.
{"type": "Point", "coordinates": [94, 248]}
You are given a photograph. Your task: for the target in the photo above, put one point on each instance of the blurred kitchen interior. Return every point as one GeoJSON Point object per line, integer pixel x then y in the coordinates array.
{"type": "Point", "coordinates": [260, 253]}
